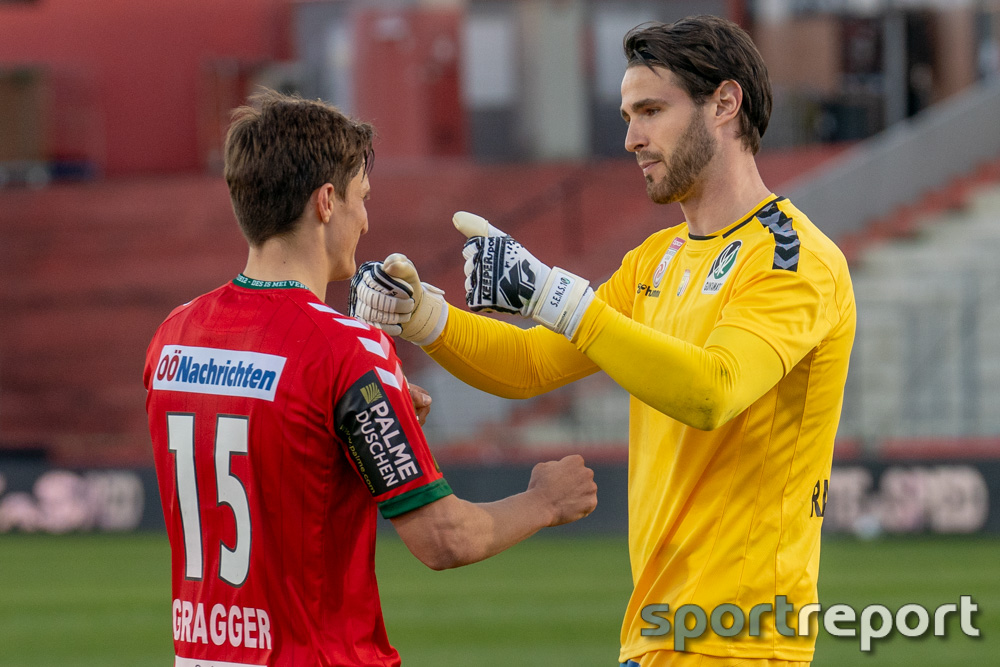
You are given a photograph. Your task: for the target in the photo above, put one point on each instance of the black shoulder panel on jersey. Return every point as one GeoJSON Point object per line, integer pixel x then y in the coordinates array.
{"type": "Point", "coordinates": [786, 239]}
{"type": "Point", "coordinates": [375, 439]}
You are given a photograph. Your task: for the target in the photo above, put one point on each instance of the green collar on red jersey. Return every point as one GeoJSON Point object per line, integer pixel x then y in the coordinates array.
{"type": "Point", "coordinates": [250, 283]}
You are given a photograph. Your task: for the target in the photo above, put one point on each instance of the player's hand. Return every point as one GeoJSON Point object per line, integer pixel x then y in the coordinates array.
{"type": "Point", "coordinates": [379, 300]}
{"type": "Point", "coordinates": [389, 295]}
{"type": "Point", "coordinates": [566, 488]}
{"type": "Point", "coordinates": [421, 402]}
{"type": "Point", "coordinates": [502, 276]}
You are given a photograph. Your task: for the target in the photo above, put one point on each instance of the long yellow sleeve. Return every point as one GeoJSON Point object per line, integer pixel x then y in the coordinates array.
{"type": "Point", "coordinates": [504, 360]}
{"type": "Point", "coordinates": [703, 387]}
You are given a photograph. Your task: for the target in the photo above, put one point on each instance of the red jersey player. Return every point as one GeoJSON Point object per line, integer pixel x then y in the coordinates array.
{"type": "Point", "coordinates": [280, 427]}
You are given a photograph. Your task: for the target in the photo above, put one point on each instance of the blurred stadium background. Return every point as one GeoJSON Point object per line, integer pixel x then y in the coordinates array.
{"type": "Point", "coordinates": [112, 212]}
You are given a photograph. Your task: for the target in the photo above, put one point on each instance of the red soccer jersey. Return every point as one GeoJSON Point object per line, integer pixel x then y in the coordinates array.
{"type": "Point", "coordinates": [278, 426]}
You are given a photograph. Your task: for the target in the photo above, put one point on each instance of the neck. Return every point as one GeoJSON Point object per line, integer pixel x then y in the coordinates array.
{"type": "Point", "coordinates": [284, 259]}
{"type": "Point", "coordinates": [741, 188]}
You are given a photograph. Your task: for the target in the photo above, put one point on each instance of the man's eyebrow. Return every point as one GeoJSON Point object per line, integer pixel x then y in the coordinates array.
{"type": "Point", "coordinates": [642, 104]}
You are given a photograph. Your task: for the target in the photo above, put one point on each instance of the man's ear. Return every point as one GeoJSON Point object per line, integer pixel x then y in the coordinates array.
{"type": "Point", "coordinates": [324, 197]}
{"type": "Point", "coordinates": [728, 99]}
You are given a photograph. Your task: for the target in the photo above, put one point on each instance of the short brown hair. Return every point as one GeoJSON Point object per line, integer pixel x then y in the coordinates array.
{"type": "Point", "coordinates": [279, 150]}
{"type": "Point", "coordinates": [704, 51]}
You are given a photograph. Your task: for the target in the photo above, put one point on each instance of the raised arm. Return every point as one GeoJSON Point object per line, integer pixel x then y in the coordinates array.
{"type": "Point", "coordinates": [701, 386]}
{"type": "Point", "coordinates": [769, 324]}
{"type": "Point", "coordinates": [504, 360]}
{"type": "Point", "coordinates": [488, 354]}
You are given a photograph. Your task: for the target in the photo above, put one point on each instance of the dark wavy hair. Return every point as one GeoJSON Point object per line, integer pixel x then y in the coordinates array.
{"type": "Point", "coordinates": [704, 51]}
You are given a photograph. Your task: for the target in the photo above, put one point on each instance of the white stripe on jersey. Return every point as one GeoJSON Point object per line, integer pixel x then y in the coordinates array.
{"type": "Point", "coordinates": [357, 324]}
{"type": "Point", "coordinates": [347, 322]}
{"type": "Point", "coordinates": [374, 347]}
{"type": "Point", "coordinates": [388, 378]}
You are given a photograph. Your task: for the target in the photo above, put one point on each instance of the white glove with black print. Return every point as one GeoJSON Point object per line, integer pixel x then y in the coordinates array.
{"type": "Point", "coordinates": [390, 296]}
{"type": "Point", "coordinates": [502, 276]}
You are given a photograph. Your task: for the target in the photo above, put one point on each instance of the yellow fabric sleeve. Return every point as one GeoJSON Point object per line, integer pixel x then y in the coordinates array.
{"type": "Point", "coordinates": [504, 360]}
{"type": "Point", "coordinates": [703, 387]}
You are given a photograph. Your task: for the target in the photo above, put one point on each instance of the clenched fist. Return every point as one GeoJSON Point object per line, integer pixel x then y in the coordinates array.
{"type": "Point", "coordinates": [567, 487]}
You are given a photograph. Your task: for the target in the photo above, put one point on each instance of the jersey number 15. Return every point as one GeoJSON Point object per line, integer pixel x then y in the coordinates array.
{"type": "Point", "coordinates": [231, 436]}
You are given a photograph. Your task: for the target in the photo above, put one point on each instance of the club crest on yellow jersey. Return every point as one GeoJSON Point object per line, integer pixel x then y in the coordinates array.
{"type": "Point", "coordinates": [721, 268]}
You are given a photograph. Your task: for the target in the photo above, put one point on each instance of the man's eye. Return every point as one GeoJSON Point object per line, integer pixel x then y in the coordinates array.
{"type": "Point", "coordinates": [651, 111]}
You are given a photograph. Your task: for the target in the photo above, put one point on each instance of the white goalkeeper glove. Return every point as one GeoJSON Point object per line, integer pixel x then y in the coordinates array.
{"type": "Point", "coordinates": [501, 276]}
{"type": "Point", "coordinates": [390, 296]}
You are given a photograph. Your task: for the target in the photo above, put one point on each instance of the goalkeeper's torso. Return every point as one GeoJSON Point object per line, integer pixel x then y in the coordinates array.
{"type": "Point", "coordinates": [733, 516]}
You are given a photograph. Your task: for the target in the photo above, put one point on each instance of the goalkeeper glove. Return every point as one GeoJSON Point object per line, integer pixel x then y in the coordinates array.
{"type": "Point", "coordinates": [390, 296]}
{"type": "Point", "coordinates": [502, 276]}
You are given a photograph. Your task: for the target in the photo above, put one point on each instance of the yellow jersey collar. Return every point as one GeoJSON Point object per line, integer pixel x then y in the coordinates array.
{"type": "Point", "coordinates": [726, 231]}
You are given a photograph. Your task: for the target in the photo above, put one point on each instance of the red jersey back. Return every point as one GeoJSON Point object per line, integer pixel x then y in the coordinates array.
{"type": "Point", "coordinates": [278, 427]}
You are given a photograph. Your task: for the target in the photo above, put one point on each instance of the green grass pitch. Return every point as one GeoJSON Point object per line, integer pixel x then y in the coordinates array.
{"type": "Point", "coordinates": [77, 601]}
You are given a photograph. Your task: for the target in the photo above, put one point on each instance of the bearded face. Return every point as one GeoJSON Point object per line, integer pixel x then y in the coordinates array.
{"type": "Point", "coordinates": [695, 149]}
{"type": "Point", "coordinates": [668, 131]}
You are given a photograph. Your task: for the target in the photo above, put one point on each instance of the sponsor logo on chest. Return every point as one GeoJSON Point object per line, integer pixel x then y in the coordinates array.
{"type": "Point", "coordinates": [675, 245]}
{"type": "Point", "coordinates": [721, 268]}
{"type": "Point", "coordinates": [653, 290]}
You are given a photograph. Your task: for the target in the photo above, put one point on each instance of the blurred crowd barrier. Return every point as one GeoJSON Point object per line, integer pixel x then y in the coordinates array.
{"type": "Point", "coordinates": [864, 498]}
{"type": "Point", "coordinates": [926, 361]}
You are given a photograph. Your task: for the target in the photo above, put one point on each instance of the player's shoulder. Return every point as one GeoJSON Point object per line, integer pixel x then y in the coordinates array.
{"type": "Point", "coordinates": [192, 306]}
{"type": "Point", "coordinates": [811, 239]}
{"type": "Point", "coordinates": [329, 319]}
{"type": "Point", "coordinates": [344, 332]}
{"type": "Point", "coordinates": [356, 349]}
{"type": "Point", "coordinates": [786, 236]}
{"type": "Point", "coordinates": [170, 329]}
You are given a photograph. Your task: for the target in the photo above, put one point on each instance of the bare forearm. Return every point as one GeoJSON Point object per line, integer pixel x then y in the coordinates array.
{"type": "Point", "coordinates": [489, 528]}
{"type": "Point", "coordinates": [454, 532]}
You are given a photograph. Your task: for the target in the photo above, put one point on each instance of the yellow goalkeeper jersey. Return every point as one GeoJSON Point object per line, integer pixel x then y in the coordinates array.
{"type": "Point", "coordinates": [735, 349]}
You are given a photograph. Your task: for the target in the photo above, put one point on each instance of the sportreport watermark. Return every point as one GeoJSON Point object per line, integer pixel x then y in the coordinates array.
{"type": "Point", "coordinates": [729, 620]}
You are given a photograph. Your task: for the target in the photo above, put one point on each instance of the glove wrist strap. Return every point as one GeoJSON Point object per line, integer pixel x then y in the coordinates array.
{"type": "Point", "coordinates": [428, 318]}
{"type": "Point", "coordinates": [559, 298]}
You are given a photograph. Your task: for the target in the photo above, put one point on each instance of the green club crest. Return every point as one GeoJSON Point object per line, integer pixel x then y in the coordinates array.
{"type": "Point", "coordinates": [721, 267]}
